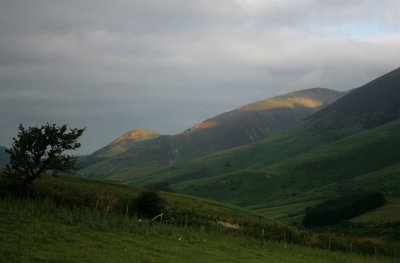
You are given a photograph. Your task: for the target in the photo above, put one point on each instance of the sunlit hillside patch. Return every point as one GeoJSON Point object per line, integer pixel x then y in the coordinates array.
{"type": "Point", "coordinates": [282, 102]}
{"type": "Point", "coordinates": [125, 142]}
{"type": "Point", "coordinates": [203, 125]}
{"type": "Point", "coordinates": [136, 135]}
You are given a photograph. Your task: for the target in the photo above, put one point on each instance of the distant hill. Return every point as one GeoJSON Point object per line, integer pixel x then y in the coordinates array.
{"type": "Point", "coordinates": [351, 145]}
{"type": "Point", "coordinates": [247, 124]}
{"type": "Point", "coordinates": [4, 157]}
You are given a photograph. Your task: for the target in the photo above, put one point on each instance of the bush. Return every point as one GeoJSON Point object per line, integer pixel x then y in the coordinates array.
{"type": "Point", "coordinates": [149, 204]}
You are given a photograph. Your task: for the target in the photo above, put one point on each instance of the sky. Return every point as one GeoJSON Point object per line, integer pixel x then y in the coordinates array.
{"type": "Point", "coordinates": [165, 65]}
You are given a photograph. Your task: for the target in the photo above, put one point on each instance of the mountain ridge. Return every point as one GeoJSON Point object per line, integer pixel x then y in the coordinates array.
{"type": "Point", "coordinates": [244, 125]}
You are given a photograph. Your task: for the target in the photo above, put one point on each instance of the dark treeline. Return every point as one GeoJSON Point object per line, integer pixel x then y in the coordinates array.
{"type": "Point", "coordinates": [342, 208]}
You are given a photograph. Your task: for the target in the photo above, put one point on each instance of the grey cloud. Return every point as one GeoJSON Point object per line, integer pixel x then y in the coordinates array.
{"type": "Point", "coordinates": [166, 65]}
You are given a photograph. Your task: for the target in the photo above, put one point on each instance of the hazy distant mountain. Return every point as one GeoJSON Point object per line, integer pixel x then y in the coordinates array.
{"type": "Point", "coordinates": [4, 157]}
{"type": "Point", "coordinates": [247, 124]}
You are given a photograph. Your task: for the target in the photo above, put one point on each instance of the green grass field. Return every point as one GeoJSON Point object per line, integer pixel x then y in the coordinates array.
{"type": "Point", "coordinates": [39, 231]}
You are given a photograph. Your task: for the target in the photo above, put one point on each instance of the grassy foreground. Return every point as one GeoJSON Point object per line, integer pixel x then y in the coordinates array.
{"type": "Point", "coordinates": [41, 231]}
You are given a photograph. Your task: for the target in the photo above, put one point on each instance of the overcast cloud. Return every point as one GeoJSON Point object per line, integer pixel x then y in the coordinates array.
{"type": "Point", "coordinates": [113, 66]}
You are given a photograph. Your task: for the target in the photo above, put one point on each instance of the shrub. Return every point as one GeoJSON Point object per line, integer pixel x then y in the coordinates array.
{"type": "Point", "coordinates": [149, 204]}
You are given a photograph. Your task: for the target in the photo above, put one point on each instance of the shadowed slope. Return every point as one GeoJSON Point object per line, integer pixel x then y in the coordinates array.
{"type": "Point", "coordinates": [374, 104]}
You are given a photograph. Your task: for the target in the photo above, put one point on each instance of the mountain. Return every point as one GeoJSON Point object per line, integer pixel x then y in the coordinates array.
{"type": "Point", "coordinates": [125, 142]}
{"type": "Point", "coordinates": [251, 123]}
{"type": "Point", "coordinates": [247, 124]}
{"type": "Point", "coordinates": [4, 157]}
{"type": "Point", "coordinates": [351, 145]}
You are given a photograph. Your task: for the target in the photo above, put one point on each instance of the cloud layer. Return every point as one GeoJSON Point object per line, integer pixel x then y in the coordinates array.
{"type": "Point", "coordinates": [165, 65]}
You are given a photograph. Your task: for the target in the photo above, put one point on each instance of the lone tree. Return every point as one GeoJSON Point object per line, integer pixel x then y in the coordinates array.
{"type": "Point", "coordinates": [40, 149]}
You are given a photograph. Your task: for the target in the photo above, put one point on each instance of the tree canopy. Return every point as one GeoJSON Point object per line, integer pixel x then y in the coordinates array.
{"type": "Point", "coordinates": [39, 149]}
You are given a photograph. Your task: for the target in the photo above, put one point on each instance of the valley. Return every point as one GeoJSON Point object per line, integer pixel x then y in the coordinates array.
{"type": "Point", "coordinates": [263, 165]}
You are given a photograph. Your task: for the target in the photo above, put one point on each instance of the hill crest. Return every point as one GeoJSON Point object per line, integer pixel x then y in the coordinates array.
{"type": "Point", "coordinates": [125, 142]}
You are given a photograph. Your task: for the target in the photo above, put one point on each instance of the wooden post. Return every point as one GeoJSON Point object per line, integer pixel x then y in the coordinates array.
{"type": "Point", "coordinates": [330, 242]}
{"type": "Point", "coordinates": [127, 210]}
{"type": "Point", "coordinates": [284, 238]}
{"type": "Point", "coordinates": [186, 221]}
{"type": "Point", "coordinates": [19, 248]}
{"type": "Point", "coordinates": [262, 236]}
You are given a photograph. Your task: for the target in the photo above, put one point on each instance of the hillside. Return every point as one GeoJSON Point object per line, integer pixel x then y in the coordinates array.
{"type": "Point", "coordinates": [4, 158]}
{"type": "Point", "coordinates": [247, 124]}
{"type": "Point", "coordinates": [85, 235]}
{"type": "Point", "coordinates": [316, 160]}
{"type": "Point", "coordinates": [66, 214]}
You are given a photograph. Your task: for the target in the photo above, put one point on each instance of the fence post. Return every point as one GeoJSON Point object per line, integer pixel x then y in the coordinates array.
{"type": "Point", "coordinates": [19, 249]}
{"type": "Point", "coordinates": [262, 236]}
{"type": "Point", "coordinates": [284, 238]}
{"type": "Point", "coordinates": [330, 242]}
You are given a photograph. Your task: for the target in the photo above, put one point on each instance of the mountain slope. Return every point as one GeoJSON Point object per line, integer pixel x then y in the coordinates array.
{"type": "Point", "coordinates": [337, 162]}
{"type": "Point", "coordinates": [251, 123]}
{"type": "Point", "coordinates": [244, 125]}
{"type": "Point", "coordinates": [374, 104]}
{"type": "Point", "coordinates": [295, 168]}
